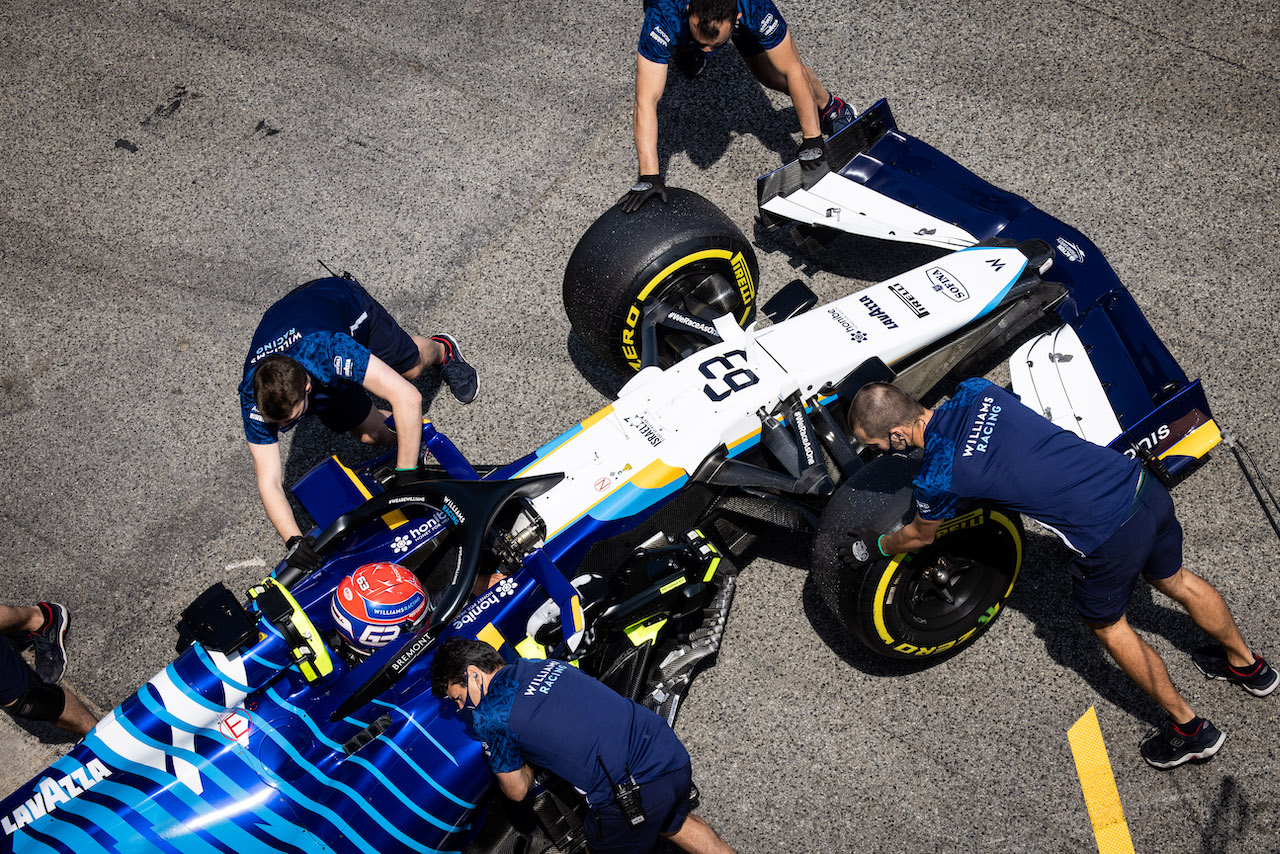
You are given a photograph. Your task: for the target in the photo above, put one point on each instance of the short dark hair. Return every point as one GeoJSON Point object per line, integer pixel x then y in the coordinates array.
{"type": "Point", "coordinates": [879, 407]}
{"type": "Point", "coordinates": [449, 667]}
{"type": "Point", "coordinates": [279, 385]}
{"type": "Point", "coordinates": [711, 14]}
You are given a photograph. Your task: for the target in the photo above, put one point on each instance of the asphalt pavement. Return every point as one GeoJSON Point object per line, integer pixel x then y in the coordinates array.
{"type": "Point", "coordinates": [167, 170]}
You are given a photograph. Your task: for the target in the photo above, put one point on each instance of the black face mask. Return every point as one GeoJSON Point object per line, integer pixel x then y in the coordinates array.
{"type": "Point", "coordinates": [894, 450]}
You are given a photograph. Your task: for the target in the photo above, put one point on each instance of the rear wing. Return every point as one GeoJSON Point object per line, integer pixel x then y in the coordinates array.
{"type": "Point", "coordinates": [886, 184]}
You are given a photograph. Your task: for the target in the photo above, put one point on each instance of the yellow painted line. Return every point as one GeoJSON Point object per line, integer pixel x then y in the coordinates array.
{"type": "Point", "coordinates": [394, 519]}
{"type": "Point", "coordinates": [1201, 441]}
{"type": "Point", "coordinates": [585, 424]}
{"type": "Point", "coordinates": [655, 475]}
{"type": "Point", "coordinates": [1099, 785]}
{"type": "Point", "coordinates": [359, 485]}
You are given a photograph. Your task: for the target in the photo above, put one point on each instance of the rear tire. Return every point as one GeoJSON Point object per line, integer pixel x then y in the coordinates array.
{"type": "Point", "coordinates": [896, 606]}
{"type": "Point", "coordinates": [684, 252]}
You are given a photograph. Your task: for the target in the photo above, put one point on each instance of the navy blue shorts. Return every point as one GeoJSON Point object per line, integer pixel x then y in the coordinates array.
{"type": "Point", "coordinates": [16, 675]}
{"type": "Point", "coordinates": [343, 406]}
{"type": "Point", "coordinates": [384, 337]}
{"type": "Point", "coordinates": [375, 328]}
{"type": "Point", "coordinates": [1149, 544]}
{"type": "Point", "coordinates": [666, 804]}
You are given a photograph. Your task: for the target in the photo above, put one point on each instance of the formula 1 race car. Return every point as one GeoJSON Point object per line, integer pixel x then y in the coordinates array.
{"type": "Point", "coordinates": [614, 545]}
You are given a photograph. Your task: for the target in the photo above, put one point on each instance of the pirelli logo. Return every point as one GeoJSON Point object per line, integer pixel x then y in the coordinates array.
{"type": "Point", "coordinates": [742, 275]}
{"type": "Point", "coordinates": [908, 299]}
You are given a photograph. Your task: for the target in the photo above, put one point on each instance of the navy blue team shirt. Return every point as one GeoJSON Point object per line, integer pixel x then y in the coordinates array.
{"type": "Point", "coordinates": [666, 27]}
{"type": "Point", "coordinates": [552, 715]}
{"type": "Point", "coordinates": [985, 444]}
{"type": "Point", "coordinates": [322, 327]}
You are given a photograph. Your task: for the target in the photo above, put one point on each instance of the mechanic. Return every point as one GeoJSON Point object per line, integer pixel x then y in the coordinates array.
{"type": "Point", "coordinates": [985, 444]}
{"type": "Point", "coordinates": [687, 32]}
{"type": "Point", "coordinates": [634, 772]}
{"type": "Point", "coordinates": [310, 355]}
{"type": "Point", "coordinates": [35, 695]}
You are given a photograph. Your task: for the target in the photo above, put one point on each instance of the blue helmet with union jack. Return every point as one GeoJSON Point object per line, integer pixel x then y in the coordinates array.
{"type": "Point", "coordinates": [371, 606]}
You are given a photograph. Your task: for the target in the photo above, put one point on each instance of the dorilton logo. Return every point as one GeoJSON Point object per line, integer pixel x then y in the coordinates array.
{"type": "Point", "coordinates": [1070, 251]}
{"type": "Point", "coordinates": [944, 282]}
{"type": "Point", "coordinates": [908, 299]}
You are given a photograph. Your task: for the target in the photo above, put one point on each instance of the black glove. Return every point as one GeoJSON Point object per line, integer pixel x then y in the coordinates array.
{"type": "Point", "coordinates": [645, 188]}
{"type": "Point", "coordinates": [404, 477]}
{"type": "Point", "coordinates": [812, 152]}
{"type": "Point", "coordinates": [860, 548]}
{"type": "Point", "coordinates": [301, 553]}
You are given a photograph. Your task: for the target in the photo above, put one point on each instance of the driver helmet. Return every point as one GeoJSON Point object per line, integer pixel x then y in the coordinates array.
{"type": "Point", "coordinates": [372, 604]}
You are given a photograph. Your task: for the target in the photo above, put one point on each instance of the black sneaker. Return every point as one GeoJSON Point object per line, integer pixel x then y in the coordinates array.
{"type": "Point", "coordinates": [51, 654]}
{"type": "Point", "coordinates": [457, 372]}
{"type": "Point", "coordinates": [1165, 747]}
{"type": "Point", "coordinates": [1259, 679]}
{"type": "Point", "coordinates": [20, 642]}
{"type": "Point", "coordinates": [837, 116]}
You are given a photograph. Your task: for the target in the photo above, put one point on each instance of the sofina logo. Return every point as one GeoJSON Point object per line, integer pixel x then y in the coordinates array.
{"type": "Point", "coordinates": [944, 282]}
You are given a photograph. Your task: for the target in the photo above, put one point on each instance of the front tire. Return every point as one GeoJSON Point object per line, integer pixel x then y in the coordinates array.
{"type": "Point", "coordinates": [929, 604]}
{"type": "Point", "coordinates": [684, 252]}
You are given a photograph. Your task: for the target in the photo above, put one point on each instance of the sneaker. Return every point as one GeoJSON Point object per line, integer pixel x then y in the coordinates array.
{"type": "Point", "coordinates": [1165, 747]}
{"type": "Point", "coordinates": [51, 654]}
{"type": "Point", "coordinates": [1259, 680]}
{"type": "Point", "coordinates": [837, 116]}
{"type": "Point", "coordinates": [20, 642]}
{"type": "Point", "coordinates": [457, 372]}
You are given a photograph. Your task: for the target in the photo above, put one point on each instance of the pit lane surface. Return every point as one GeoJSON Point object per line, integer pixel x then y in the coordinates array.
{"type": "Point", "coordinates": [171, 169]}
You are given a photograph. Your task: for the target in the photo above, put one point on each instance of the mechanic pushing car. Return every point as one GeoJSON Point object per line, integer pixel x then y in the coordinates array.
{"type": "Point", "coordinates": [311, 354]}
{"type": "Point", "coordinates": [631, 767]}
{"type": "Point", "coordinates": [984, 443]}
{"type": "Point", "coordinates": [36, 695]}
{"type": "Point", "coordinates": [687, 32]}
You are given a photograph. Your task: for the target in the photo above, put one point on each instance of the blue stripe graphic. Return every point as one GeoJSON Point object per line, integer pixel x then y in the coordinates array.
{"type": "Point", "coordinates": [364, 763]}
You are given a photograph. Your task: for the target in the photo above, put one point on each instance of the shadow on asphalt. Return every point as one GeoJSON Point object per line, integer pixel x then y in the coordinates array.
{"type": "Point", "coordinates": [701, 117]}
{"type": "Point", "coordinates": [46, 732]}
{"type": "Point", "coordinates": [1043, 595]}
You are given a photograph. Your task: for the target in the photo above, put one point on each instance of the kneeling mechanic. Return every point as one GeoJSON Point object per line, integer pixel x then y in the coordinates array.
{"type": "Point", "coordinates": [634, 771]}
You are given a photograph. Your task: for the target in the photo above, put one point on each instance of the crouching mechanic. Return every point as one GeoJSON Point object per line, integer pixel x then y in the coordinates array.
{"type": "Point", "coordinates": [552, 715]}
{"type": "Point", "coordinates": [35, 695]}
{"type": "Point", "coordinates": [686, 32]}
{"type": "Point", "coordinates": [985, 444]}
{"type": "Point", "coordinates": [313, 354]}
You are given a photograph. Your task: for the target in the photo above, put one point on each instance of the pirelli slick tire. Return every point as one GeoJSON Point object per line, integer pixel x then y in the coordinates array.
{"type": "Point", "coordinates": [927, 605]}
{"type": "Point", "coordinates": [685, 253]}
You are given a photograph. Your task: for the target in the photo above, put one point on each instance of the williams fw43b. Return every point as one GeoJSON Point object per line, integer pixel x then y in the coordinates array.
{"type": "Point", "coordinates": [292, 721]}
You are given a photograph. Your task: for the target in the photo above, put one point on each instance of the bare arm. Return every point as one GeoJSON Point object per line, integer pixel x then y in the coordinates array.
{"type": "Point", "coordinates": [916, 534]}
{"type": "Point", "coordinates": [516, 784]}
{"type": "Point", "coordinates": [651, 80]}
{"type": "Point", "coordinates": [270, 473]}
{"type": "Point", "coordinates": [406, 406]}
{"type": "Point", "coordinates": [786, 59]}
